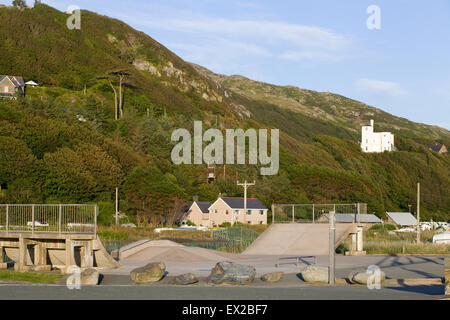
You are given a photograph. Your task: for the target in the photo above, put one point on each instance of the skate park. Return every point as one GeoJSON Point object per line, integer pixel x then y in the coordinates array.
{"type": "Point", "coordinates": [69, 238]}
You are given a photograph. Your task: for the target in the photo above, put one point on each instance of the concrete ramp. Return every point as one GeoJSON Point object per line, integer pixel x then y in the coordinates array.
{"type": "Point", "coordinates": [298, 239]}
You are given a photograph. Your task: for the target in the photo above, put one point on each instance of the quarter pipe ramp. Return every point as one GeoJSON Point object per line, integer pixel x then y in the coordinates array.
{"type": "Point", "coordinates": [298, 239]}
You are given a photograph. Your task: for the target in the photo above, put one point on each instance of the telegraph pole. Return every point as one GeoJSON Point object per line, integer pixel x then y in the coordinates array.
{"type": "Point", "coordinates": [418, 213]}
{"type": "Point", "coordinates": [245, 185]}
{"type": "Point", "coordinates": [332, 256]}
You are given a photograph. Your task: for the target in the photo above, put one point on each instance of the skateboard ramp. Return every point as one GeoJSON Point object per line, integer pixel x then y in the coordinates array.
{"type": "Point", "coordinates": [298, 239]}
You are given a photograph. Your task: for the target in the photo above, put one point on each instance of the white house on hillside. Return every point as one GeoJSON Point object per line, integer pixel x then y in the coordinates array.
{"type": "Point", "coordinates": [376, 141]}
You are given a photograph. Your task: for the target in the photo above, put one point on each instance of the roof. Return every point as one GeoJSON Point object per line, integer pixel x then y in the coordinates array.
{"type": "Point", "coordinates": [238, 203]}
{"type": "Point", "coordinates": [31, 83]}
{"type": "Point", "coordinates": [353, 218]}
{"type": "Point", "coordinates": [203, 205]}
{"type": "Point", "coordinates": [16, 80]}
{"type": "Point", "coordinates": [436, 147]}
{"type": "Point", "coordinates": [402, 218]}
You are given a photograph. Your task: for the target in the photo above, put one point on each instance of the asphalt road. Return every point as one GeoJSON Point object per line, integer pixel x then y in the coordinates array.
{"type": "Point", "coordinates": [165, 292]}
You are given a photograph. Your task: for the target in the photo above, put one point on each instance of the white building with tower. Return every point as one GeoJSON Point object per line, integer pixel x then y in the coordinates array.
{"type": "Point", "coordinates": [376, 141]}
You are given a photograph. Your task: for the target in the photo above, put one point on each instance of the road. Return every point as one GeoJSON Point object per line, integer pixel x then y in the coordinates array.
{"type": "Point", "coordinates": [166, 292]}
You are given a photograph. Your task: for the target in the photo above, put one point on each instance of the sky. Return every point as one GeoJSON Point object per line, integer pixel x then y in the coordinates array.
{"type": "Point", "coordinates": [402, 66]}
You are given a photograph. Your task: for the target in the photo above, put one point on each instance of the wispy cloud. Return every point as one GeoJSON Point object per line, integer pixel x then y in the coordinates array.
{"type": "Point", "coordinates": [242, 38]}
{"type": "Point", "coordinates": [381, 87]}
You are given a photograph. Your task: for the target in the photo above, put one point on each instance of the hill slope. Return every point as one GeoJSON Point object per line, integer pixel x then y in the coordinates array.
{"type": "Point", "coordinates": [48, 155]}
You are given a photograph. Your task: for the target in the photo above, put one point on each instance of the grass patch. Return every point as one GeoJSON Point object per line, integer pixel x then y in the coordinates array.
{"type": "Point", "coordinates": [401, 247]}
{"type": "Point", "coordinates": [33, 277]}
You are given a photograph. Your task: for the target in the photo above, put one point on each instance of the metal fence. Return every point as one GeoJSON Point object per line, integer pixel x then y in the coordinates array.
{"type": "Point", "coordinates": [49, 218]}
{"type": "Point", "coordinates": [314, 213]}
{"type": "Point", "coordinates": [234, 240]}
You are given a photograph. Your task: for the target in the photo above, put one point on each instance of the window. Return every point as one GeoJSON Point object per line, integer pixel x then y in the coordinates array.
{"type": "Point", "coordinates": [261, 212]}
{"type": "Point", "coordinates": [262, 223]}
{"type": "Point", "coordinates": [236, 211]}
{"type": "Point", "coordinates": [249, 222]}
{"type": "Point", "coordinates": [249, 212]}
{"type": "Point", "coordinates": [6, 89]}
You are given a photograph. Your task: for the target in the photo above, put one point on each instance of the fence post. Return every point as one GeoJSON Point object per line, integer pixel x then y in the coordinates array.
{"type": "Point", "coordinates": [293, 218]}
{"type": "Point", "coordinates": [95, 219]}
{"type": "Point", "coordinates": [7, 218]}
{"type": "Point", "coordinates": [359, 213]}
{"type": "Point", "coordinates": [313, 212]}
{"type": "Point", "coordinates": [60, 218]}
{"type": "Point", "coordinates": [32, 218]}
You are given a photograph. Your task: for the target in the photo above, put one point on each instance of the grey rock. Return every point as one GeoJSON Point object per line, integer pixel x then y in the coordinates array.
{"type": "Point", "coordinates": [315, 274]}
{"type": "Point", "coordinates": [226, 272]}
{"type": "Point", "coordinates": [184, 279]}
{"type": "Point", "coordinates": [152, 272]}
{"type": "Point", "coordinates": [363, 277]}
{"type": "Point", "coordinates": [89, 277]}
{"type": "Point", "coordinates": [272, 277]}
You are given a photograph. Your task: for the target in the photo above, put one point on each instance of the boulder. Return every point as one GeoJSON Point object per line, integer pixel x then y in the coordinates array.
{"type": "Point", "coordinates": [315, 274]}
{"type": "Point", "coordinates": [226, 272]}
{"type": "Point", "coordinates": [184, 279]}
{"type": "Point", "coordinates": [272, 277]}
{"type": "Point", "coordinates": [152, 272]}
{"type": "Point", "coordinates": [362, 277]}
{"type": "Point", "coordinates": [89, 276]}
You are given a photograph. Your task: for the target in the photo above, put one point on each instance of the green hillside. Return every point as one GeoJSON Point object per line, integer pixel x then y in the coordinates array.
{"type": "Point", "coordinates": [48, 155]}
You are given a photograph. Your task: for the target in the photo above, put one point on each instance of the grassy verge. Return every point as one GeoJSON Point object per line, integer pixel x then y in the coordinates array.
{"type": "Point", "coordinates": [383, 240]}
{"type": "Point", "coordinates": [391, 247]}
{"type": "Point", "coordinates": [33, 277]}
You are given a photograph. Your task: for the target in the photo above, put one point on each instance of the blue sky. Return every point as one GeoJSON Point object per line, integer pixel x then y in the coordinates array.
{"type": "Point", "coordinates": [323, 45]}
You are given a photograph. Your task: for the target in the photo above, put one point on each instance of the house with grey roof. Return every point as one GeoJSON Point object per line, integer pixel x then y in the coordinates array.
{"type": "Point", "coordinates": [196, 212]}
{"type": "Point", "coordinates": [232, 210]}
{"type": "Point", "coordinates": [401, 219]}
{"type": "Point", "coordinates": [11, 86]}
{"type": "Point", "coordinates": [439, 148]}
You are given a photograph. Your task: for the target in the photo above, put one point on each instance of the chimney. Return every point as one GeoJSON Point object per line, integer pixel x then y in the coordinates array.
{"type": "Point", "coordinates": [371, 122]}
{"type": "Point", "coordinates": [220, 195]}
{"type": "Point", "coordinates": [195, 198]}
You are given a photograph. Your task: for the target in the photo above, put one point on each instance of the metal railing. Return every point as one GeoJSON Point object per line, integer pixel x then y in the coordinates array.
{"type": "Point", "coordinates": [315, 213]}
{"type": "Point", "coordinates": [48, 218]}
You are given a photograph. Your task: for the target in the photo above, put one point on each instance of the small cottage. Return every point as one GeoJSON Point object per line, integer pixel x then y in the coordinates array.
{"type": "Point", "coordinates": [439, 148]}
{"type": "Point", "coordinates": [11, 86]}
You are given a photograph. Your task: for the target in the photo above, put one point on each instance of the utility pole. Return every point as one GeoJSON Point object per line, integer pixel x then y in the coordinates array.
{"type": "Point", "coordinates": [418, 213]}
{"type": "Point", "coordinates": [245, 185]}
{"type": "Point", "coordinates": [332, 256]}
{"type": "Point", "coordinates": [117, 206]}
{"type": "Point", "coordinates": [224, 171]}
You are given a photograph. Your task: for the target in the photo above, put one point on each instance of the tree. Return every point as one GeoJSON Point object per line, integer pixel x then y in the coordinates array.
{"type": "Point", "coordinates": [16, 160]}
{"type": "Point", "coordinates": [120, 74]}
{"type": "Point", "coordinates": [19, 3]}
{"type": "Point", "coordinates": [37, 2]}
{"type": "Point", "coordinates": [155, 198]}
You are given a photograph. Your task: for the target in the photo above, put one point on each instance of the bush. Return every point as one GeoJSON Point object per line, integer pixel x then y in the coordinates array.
{"type": "Point", "coordinates": [384, 226]}
{"type": "Point", "coordinates": [225, 225]}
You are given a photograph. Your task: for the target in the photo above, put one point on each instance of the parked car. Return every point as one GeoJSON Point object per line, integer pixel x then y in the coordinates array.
{"type": "Point", "coordinates": [37, 223]}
